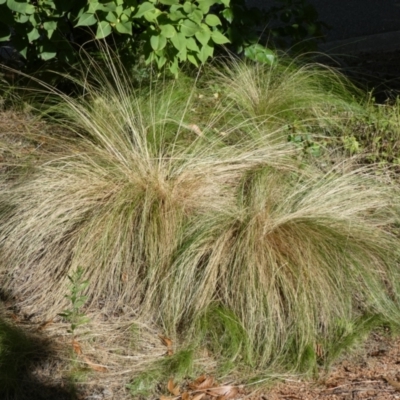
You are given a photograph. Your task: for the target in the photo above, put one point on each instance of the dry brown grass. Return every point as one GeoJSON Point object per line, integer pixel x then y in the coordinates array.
{"type": "Point", "coordinates": [222, 242]}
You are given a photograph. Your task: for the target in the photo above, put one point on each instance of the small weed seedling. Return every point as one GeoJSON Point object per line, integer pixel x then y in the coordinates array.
{"type": "Point", "coordinates": [74, 315]}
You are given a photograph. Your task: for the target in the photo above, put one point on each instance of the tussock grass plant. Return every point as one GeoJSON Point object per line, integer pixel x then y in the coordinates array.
{"type": "Point", "coordinates": [201, 219]}
{"type": "Point", "coordinates": [302, 96]}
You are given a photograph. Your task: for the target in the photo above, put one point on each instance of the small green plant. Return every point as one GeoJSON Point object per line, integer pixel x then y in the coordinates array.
{"type": "Point", "coordinates": [74, 315]}
{"type": "Point", "coordinates": [178, 365]}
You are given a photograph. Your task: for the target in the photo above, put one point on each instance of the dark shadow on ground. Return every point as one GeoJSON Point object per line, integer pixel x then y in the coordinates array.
{"type": "Point", "coordinates": [26, 358]}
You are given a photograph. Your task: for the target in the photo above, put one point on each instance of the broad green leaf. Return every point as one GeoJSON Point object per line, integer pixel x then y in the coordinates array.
{"type": "Point", "coordinates": [189, 28]}
{"type": "Point", "coordinates": [124, 18]}
{"type": "Point", "coordinates": [23, 18]}
{"type": "Point", "coordinates": [205, 53]}
{"type": "Point", "coordinates": [196, 16]}
{"type": "Point", "coordinates": [228, 14]}
{"type": "Point", "coordinates": [94, 6]}
{"type": "Point", "coordinates": [179, 41]}
{"type": "Point", "coordinates": [169, 2]}
{"type": "Point", "coordinates": [150, 58]}
{"type": "Point", "coordinates": [126, 13]}
{"type": "Point", "coordinates": [124, 27]}
{"type": "Point", "coordinates": [191, 44]}
{"type": "Point", "coordinates": [182, 55]}
{"type": "Point", "coordinates": [47, 55]}
{"type": "Point", "coordinates": [20, 7]}
{"type": "Point", "coordinates": [119, 10]}
{"type": "Point", "coordinates": [188, 7]}
{"type": "Point", "coordinates": [226, 3]}
{"type": "Point", "coordinates": [203, 36]}
{"type": "Point", "coordinates": [161, 61]}
{"type": "Point", "coordinates": [259, 53]}
{"type": "Point", "coordinates": [103, 29]}
{"type": "Point", "coordinates": [175, 7]}
{"type": "Point", "coordinates": [33, 18]}
{"type": "Point", "coordinates": [176, 15]}
{"type": "Point", "coordinates": [50, 25]}
{"type": "Point", "coordinates": [174, 67]}
{"type": "Point", "coordinates": [168, 30]}
{"type": "Point", "coordinates": [267, 57]}
{"type": "Point", "coordinates": [219, 38]}
{"type": "Point", "coordinates": [158, 42]}
{"type": "Point", "coordinates": [112, 17]}
{"type": "Point", "coordinates": [204, 5]}
{"type": "Point", "coordinates": [144, 8]}
{"type": "Point", "coordinates": [108, 7]}
{"type": "Point", "coordinates": [2, 2]}
{"type": "Point", "coordinates": [151, 16]}
{"type": "Point", "coordinates": [33, 35]}
{"type": "Point", "coordinates": [86, 20]}
{"type": "Point", "coordinates": [193, 60]}
{"type": "Point", "coordinates": [212, 20]}
{"type": "Point", "coordinates": [50, 33]}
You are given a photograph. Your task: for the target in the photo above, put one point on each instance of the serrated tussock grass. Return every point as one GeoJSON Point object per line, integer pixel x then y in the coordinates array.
{"type": "Point", "coordinates": [290, 92]}
{"type": "Point", "coordinates": [196, 213]}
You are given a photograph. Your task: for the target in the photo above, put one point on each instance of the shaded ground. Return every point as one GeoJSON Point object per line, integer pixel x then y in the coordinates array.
{"type": "Point", "coordinates": [370, 372]}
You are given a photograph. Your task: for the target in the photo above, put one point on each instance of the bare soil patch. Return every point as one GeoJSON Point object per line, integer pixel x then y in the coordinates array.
{"type": "Point", "coordinates": [372, 372]}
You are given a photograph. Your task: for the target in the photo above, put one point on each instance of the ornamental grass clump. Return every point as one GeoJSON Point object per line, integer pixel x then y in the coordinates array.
{"type": "Point", "coordinates": [302, 96]}
{"type": "Point", "coordinates": [194, 212]}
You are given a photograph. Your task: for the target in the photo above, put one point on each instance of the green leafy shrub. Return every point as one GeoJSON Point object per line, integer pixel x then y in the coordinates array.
{"type": "Point", "coordinates": [163, 32]}
{"type": "Point", "coordinates": [296, 25]}
{"type": "Point", "coordinates": [172, 31]}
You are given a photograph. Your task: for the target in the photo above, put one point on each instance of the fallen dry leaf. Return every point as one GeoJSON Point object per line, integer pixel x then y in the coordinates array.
{"type": "Point", "coordinates": [167, 398]}
{"type": "Point", "coordinates": [168, 343]}
{"type": "Point", "coordinates": [93, 366]}
{"type": "Point", "coordinates": [165, 341]}
{"type": "Point", "coordinates": [44, 325]}
{"type": "Point", "coordinates": [172, 388]}
{"type": "Point", "coordinates": [15, 317]}
{"type": "Point", "coordinates": [185, 396]}
{"type": "Point", "coordinates": [194, 128]}
{"type": "Point", "coordinates": [202, 382]}
{"type": "Point", "coordinates": [77, 347]}
{"type": "Point", "coordinates": [224, 392]}
{"type": "Point", "coordinates": [198, 396]}
{"type": "Point", "coordinates": [395, 384]}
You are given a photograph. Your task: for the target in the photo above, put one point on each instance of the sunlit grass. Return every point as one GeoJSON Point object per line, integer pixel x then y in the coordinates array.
{"type": "Point", "coordinates": [193, 209]}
